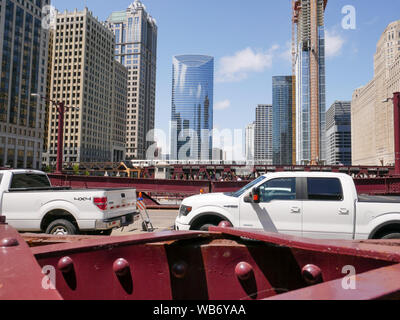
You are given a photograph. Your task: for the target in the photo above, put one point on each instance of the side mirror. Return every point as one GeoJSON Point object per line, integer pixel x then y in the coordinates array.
{"type": "Point", "coordinates": [256, 195]}
{"type": "Point", "coordinates": [253, 197]}
{"type": "Point", "coordinates": [248, 199]}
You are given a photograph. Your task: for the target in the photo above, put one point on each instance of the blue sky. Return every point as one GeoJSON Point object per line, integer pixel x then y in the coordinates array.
{"type": "Point", "coordinates": [250, 42]}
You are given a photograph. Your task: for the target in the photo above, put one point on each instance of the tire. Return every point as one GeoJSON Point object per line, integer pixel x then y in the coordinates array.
{"type": "Point", "coordinates": [205, 227]}
{"type": "Point", "coordinates": [62, 227]}
{"type": "Point", "coordinates": [391, 236]}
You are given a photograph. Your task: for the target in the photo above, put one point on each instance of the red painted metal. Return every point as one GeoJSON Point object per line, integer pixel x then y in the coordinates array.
{"type": "Point", "coordinates": [177, 190]}
{"type": "Point", "coordinates": [20, 275]}
{"type": "Point", "coordinates": [193, 265]}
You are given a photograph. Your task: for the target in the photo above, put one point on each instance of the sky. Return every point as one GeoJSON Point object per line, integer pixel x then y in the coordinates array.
{"type": "Point", "coordinates": [251, 42]}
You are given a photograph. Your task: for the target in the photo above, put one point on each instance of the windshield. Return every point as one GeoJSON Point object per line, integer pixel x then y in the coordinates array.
{"type": "Point", "coordinates": [249, 186]}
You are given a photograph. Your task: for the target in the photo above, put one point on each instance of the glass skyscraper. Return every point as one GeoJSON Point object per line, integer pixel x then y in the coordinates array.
{"type": "Point", "coordinates": [282, 95]}
{"type": "Point", "coordinates": [23, 61]}
{"type": "Point", "coordinates": [192, 107]}
{"type": "Point", "coordinates": [310, 81]}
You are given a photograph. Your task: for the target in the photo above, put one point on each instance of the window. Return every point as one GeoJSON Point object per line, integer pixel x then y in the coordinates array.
{"type": "Point", "coordinates": [278, 189]}
{"type": "Point", "coordinates": [247, 187]}
{"type": "Point", "coordinates": [324, 189]}
{"type": "Point", "coordinates": [29, 181]}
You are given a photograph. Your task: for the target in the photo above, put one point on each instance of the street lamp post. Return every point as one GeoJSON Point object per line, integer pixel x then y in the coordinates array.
{"type": "Point", "coordinates": [60, 138]}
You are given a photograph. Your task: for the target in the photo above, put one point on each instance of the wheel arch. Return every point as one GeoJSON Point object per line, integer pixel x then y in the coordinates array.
{"type": "Point", "coordinates": [385, 227]}
{"type": "Point", "coordinates": [207, 217]}
{"type": "Point", "coordinates": [57, 214]}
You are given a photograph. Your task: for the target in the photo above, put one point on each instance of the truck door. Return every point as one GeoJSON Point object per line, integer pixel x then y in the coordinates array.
{"type": "Point", "coordinates": [328, 212]}
{"type": "Point", "coordinates": [279, 209]}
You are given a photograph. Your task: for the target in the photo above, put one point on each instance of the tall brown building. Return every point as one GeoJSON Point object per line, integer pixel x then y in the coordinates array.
{"type": "Point", "coordinates": [372, 118]}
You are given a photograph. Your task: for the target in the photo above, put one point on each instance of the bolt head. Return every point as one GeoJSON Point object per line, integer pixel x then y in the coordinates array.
{"type": "Point", "coordinates": [244, 271]}
{"type": "Point", "coordinates": [179, 270]}
{"type": "Point", "coordinates": [9, 242]}
{"type": "Point", "coordinates": [121, 267]}
{"type": "Point", "coordinates": [65, 264]}
{"type": "Point", "coordinates": [225, 224]}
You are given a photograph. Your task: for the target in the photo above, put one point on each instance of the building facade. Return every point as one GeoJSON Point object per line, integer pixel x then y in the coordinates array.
{"type": "Point", "coordinates": [23, 61]}
{"type": "Point", "coordinates": [263, 134]}
{"type": "Point", "coordinates": [250, 141]}
{"type": "Point", "coordinates": [372, 118]}
{"type": "Point", "coordinates": [282, 95]}
{"type": "Point", "coordinates": [338, 133]}
{"type": "Point", "coordinates": [91, 85]}
{"type": "Point", "coordinates": [136, 48]}
{"type": "Point", "coordinates": [310, 81]}
{"type": "Point", "coordinates": [192, 107]}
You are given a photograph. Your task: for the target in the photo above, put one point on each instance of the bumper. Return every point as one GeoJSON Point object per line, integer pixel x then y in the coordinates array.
{"type": "Point", "coordinates": [118, 222]}
{"type": "Point", "coordinates": [181, 227]}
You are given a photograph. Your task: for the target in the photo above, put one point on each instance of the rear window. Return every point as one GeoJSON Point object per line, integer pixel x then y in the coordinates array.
{"type": "Point", "coordinates": [322, 189]}
{"type": "Point", "coordinates": [29, 181]}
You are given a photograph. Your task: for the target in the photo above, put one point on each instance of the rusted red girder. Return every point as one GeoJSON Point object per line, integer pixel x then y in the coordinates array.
{"type": "Point", "coordinates": [224, 264]}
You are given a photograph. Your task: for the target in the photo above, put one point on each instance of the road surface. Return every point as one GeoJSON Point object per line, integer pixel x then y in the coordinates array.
{"type": "Point", "coordinates": [161, 220]}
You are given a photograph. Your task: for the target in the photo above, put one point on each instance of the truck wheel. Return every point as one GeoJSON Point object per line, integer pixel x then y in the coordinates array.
{"type": "Point", "coordinates": [61, 228]}
{"type": "Point", "coordinates": [206, 227]}
{"type": "Point", "coordinates": [391, 236]}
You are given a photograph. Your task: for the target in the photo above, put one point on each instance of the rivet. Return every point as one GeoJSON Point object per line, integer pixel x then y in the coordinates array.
{"type": "Point", "coordinates": [9, 242]}
{"type": "Point", "coordinates": [65, 264]}
{"type": "Point", "coordinates": [244, 271]}
{"type": "Point", "coordinates": [179, 269]}
{"type": "Point", "coordinates": [121, 267]}
{"type": "Point", "coordinates": [225, 224]}
{"type": "Point", "coordinates": [312, 274]}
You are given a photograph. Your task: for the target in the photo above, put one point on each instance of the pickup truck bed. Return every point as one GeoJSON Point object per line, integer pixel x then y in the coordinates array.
{"type": "Point", "coordinates": [378, 199]}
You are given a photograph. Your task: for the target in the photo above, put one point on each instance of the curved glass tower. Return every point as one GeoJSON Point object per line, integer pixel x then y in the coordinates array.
{"type": "Point", "coordinates": [192, 107]}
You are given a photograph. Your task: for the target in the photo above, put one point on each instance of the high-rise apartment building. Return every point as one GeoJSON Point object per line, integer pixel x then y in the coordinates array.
{"type": "Point", "coordinates": [372, 119]}
{"type": "Point", "coordinates": [250, 141]}
{"type": "Point", "coordinates": [23, 61]}
{"type": "Point", "coordinates": [310, 80]}
{"type": "Point", "coordinates": [192, 107]}
{"type": "Point", "coordinates": [93, 88]}
{"type": "Point", "coordinates": [338, 133]}
{"type": "Point", "coordinates": [282, 95]}
{"type": "Point", "coordinates": [263, 134]}
{"type": "Point", "coordinates": [136, 48]}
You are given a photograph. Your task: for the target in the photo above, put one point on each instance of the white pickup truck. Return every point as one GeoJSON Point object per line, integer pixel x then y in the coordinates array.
{"type": "Point", "coordinates": [311, 205]}
{"type": "Point", "coordinates": [31, 204]}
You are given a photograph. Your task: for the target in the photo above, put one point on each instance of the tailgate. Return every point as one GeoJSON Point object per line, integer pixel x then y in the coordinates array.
{"type": "Point", "coordinates": [120, 202]}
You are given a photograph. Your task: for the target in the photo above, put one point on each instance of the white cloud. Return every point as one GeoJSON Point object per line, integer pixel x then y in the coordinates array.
{"type": "Point", "coordinates": [222, 105]}
{"type": "Point", "coordinates": [237, 67]}
{"type": "Point", "coordinates": [333, 44]}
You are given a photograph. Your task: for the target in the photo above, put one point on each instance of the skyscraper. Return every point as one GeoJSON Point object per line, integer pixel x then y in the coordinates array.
{"type": "Point", "coordinates": [23, 61]}
{"type": "Point", "coordinates": [136, 48]}
{"type": "Point", "coordinates": [263, 134]}
{"type": "Point", "coordinates": [372, 119]}
{"type": "Point", "coordinates": [85, 75]}
{"type": "Point", "coordinates": [250, 141]}
{"type": "Point", "coordinates": [309, 60]}
{"type": "Point", "coordinates": [282, 95]}
{"type": "Point", "coordinates": [338, 133]}
{"type": "Point", "coordinates": [192, 107]}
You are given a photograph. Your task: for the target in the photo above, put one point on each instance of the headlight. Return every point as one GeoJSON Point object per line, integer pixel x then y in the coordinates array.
{"type": "Point", "coordinates": [185, 210]}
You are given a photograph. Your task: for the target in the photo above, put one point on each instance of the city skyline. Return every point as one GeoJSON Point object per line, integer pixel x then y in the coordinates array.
{"type": "Point", "coordinates": [243, 87]}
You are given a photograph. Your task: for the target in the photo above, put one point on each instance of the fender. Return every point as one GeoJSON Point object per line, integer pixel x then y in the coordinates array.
{"type": "Point", "coordinates": [59, 205]}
